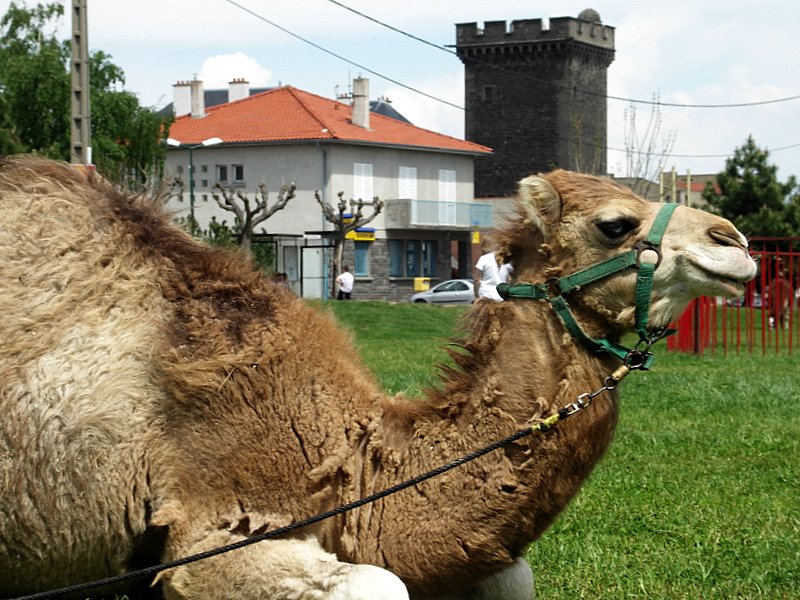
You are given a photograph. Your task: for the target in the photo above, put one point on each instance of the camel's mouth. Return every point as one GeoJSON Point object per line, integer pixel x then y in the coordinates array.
{"type": "Point", "coordinates": [717, 270]}
{"type": "Point", "coordinates": [730, 287]}
{"type": "Point", "coordinates": [714, 283]}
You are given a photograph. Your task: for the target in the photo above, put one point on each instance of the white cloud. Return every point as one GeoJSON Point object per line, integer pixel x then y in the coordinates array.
{"type": "Point", "coordinates": [428, 113]}
{"type": "Point", "coordinates": [686, 51]}
{"type": "Point", "coordinates": [218, 70]}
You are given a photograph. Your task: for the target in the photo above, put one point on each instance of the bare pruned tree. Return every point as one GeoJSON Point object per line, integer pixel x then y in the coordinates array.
{"type": "Point", "coordinates": [646, 151]}
{"type": "Point", "coordinates": [344, 225]}
{"type": "Point", "coordinates": [251, 213]}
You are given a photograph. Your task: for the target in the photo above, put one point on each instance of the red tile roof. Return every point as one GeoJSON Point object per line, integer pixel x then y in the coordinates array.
{"type": "Point", "coordinates": [289, 114]}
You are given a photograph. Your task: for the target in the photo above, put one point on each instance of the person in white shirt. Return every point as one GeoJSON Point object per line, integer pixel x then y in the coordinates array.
{"type": "Point", "coordinates": [488, 274]}
{"type": "Point", "coordinates": [345, 282]}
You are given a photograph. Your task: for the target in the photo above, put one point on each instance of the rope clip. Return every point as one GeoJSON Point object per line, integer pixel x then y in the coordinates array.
{"type": "Point", "coordinates": [581, 402]}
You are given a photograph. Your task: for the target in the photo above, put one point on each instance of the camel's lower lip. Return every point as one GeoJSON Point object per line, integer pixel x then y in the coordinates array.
{"type": "Point", "coordinates": [728, 285]}
{"type": "Point", "coordinates": [734, 287]}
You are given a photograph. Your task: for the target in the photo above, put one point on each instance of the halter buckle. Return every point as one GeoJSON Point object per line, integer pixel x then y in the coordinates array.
{"type": "Point", "coordinates": [644, 245]}
{"type": "Point", "coordinates": [553, 287]}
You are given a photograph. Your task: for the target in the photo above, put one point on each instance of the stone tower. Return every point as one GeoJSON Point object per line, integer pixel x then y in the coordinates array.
{"type": "Point", "coordinates": [536, 95]}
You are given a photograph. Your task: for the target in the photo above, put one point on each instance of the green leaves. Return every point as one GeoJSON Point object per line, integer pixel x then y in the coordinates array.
{"type": "Point", "coordinates": [749, 193]}
{"type": "Point", "coordinates": [34, 81]}
{"type": "Point", "coordinates": [126, 139]}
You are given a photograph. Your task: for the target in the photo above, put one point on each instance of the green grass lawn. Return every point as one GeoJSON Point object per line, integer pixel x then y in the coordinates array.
{"type": "Point", "coordinates": [699, 495]}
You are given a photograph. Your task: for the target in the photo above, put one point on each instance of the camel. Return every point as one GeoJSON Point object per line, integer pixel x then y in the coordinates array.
{"type": "Point", "coordinates": [159, 398]}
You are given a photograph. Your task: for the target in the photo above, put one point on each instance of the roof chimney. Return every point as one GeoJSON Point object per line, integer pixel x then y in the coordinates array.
{"type": "Point", "coordinates": [181, 98]}
{"type": "Point", "coordinates": [198, 99]}
{"type": "Point", "coordinates": [238, 89]}
{"type": "Point", "coordinates": [361, 102]}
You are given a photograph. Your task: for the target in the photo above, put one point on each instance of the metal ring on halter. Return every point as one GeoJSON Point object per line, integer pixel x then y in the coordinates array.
{"type": "Point", "coordinates": [642, 246]}
{"type": "Point", "coordinates": [636, 359]}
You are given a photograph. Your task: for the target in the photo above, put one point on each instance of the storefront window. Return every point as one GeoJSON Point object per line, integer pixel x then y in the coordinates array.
{"type": "Point", "coordinates": [412, 258]}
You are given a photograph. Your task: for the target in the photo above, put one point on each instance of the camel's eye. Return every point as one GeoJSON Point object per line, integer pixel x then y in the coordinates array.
{"type": "Point", "coordinates": [616, 228]}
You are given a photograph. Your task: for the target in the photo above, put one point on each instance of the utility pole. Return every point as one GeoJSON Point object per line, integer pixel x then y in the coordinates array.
{"type": "Point", "coordinates": [80, 148]}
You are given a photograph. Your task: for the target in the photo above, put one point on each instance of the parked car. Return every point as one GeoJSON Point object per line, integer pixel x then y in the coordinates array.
{"type": "Point", "coordinates": [452, 291]}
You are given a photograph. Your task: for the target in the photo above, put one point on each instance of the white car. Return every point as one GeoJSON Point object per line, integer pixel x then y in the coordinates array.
{"type": "Point", "coordinates": [452, 291]}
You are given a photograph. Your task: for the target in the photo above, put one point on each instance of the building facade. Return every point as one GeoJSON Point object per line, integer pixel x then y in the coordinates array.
{"type": "Point", "coordinates": [324, 146]}
{"type": "Point", "coordinates": [535, 94]}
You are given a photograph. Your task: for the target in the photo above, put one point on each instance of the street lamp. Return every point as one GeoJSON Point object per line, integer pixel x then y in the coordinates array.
{"type": "Point", "coordinates": [209, 142]}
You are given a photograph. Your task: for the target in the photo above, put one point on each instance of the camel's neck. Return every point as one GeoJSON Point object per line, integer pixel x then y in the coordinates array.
{"type": "Point", "coordinates": [522, 366]}
{"type": "Point", "coordinates": [521, 361]}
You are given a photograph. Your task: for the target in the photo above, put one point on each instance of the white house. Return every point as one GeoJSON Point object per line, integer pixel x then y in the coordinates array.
{"type": "Point", "coordinates": [285, 135]}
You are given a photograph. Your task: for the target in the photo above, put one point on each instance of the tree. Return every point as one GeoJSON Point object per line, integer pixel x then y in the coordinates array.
{"type": "Point", "coordinates": [247, 215]}
{"type": "Point", "coordinates": [127, 140]}
{"type": "Point", "coordinates": [749, 194]}
{"type": "Point", "coordinates": [34, 80]}
{"type": "Point", "coordinates": [345, 224]}
{"type": "Point", "coordinates": [9, 141]}
{"type": "Point", "coordinates": [646, 151]}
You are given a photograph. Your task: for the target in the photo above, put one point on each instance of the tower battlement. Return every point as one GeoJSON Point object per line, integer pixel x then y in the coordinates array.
{"type": "Point", "coordinates": [535, 92]}
{"type": "Point", "coordinates": [586, 28]}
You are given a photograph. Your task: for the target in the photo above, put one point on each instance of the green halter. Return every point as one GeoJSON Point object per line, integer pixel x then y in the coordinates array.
{"type": "Point", "coordinates": [553, 291]}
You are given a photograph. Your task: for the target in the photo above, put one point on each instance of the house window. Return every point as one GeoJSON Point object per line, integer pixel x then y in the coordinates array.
{"type": "Point", "coordinates": [412, 258]}
{"type": "Point", "coordinates": [447, 197]}
{"type": "Point", "coordinates": [362, 181]}
{"type": "Point", "coordinates": [222, 173]}
{"type": "Point", "coordinates": [361, 263]}
{"type": "Point", "coordinates": [396, 250]}
{"type": "Point", "coordinates": [179, 169]}
{"type": "Point", "coordinates": [447, 185]}
{"type": "Point", "coordinates": [238, 174]}
{"type": "Point", "coordinates": [204, 183]}
{"type": "Point", "coordinates": [407, 183]}
{"type": "Point", "coordinates": [488, 93]}
{"type": "Point", "coordinates": [204, 168]}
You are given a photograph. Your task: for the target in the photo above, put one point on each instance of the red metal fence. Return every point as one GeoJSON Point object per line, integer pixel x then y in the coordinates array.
{"type": "Point", "coordinates": [766, 319]}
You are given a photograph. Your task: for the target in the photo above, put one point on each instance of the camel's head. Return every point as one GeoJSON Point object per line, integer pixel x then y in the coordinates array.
{"type": "Point", "coordinates": [568, 222]}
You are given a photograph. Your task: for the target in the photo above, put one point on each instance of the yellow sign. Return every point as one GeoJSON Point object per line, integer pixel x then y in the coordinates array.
{"type": "Point", "coordinates": [476, 237]}
{"type": "Point", "coordinates": [361, 236]}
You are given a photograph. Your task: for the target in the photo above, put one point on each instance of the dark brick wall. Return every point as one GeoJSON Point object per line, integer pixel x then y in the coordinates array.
{"type": "Point", "coordinates": [537, 98]}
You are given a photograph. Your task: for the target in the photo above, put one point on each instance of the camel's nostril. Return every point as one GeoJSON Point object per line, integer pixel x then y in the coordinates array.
{"type": "Point", "coordinates": [727, 237]}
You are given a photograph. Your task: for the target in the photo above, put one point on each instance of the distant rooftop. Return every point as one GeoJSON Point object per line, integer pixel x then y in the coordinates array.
{"type": "Point", "coordinates": [381, 106]}
{"type": "Point", "coordinates": [284, 114]}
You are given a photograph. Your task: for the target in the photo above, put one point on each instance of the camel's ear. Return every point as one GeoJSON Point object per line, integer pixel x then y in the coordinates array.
{"type": "Point", "coordinates": [541, 202]}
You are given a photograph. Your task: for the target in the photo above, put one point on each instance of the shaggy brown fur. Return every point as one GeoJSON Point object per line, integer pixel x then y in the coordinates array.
{"type": "Point", "coordinates": [159, 398]}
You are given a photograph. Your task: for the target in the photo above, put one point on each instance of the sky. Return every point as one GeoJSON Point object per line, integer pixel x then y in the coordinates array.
{"type": "Point", "coordinates": [715, 52]}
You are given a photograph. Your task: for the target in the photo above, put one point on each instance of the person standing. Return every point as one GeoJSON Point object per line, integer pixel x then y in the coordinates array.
{"type": "Point", "coordinates": [488, 274]}
{"type": "Point", "coordinates": [780, 298]}
{"type": "Point", "coordinates": [345, 282]}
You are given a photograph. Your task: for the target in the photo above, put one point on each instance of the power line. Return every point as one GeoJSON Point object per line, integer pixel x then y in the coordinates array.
{"type": "Point", "coordinates": [451, 104]}
{"type": "Point", "coordinates": [589, 93]}
{"type": "Point", "coordinates": [395, 29]}
{"type": "Point", "coordinates": [339, 56]}
{"type": "Point", "coordinates": [673, 155]}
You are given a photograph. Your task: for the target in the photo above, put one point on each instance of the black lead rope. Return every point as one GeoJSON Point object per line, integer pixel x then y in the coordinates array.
{"type": "Point", "coordinates": [543, 425]}
{"type": "Point", "coordinates": [637, 359]}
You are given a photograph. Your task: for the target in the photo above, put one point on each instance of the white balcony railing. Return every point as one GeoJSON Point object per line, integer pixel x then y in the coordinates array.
{"type": "Point", "coordinates": [404, 213]}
